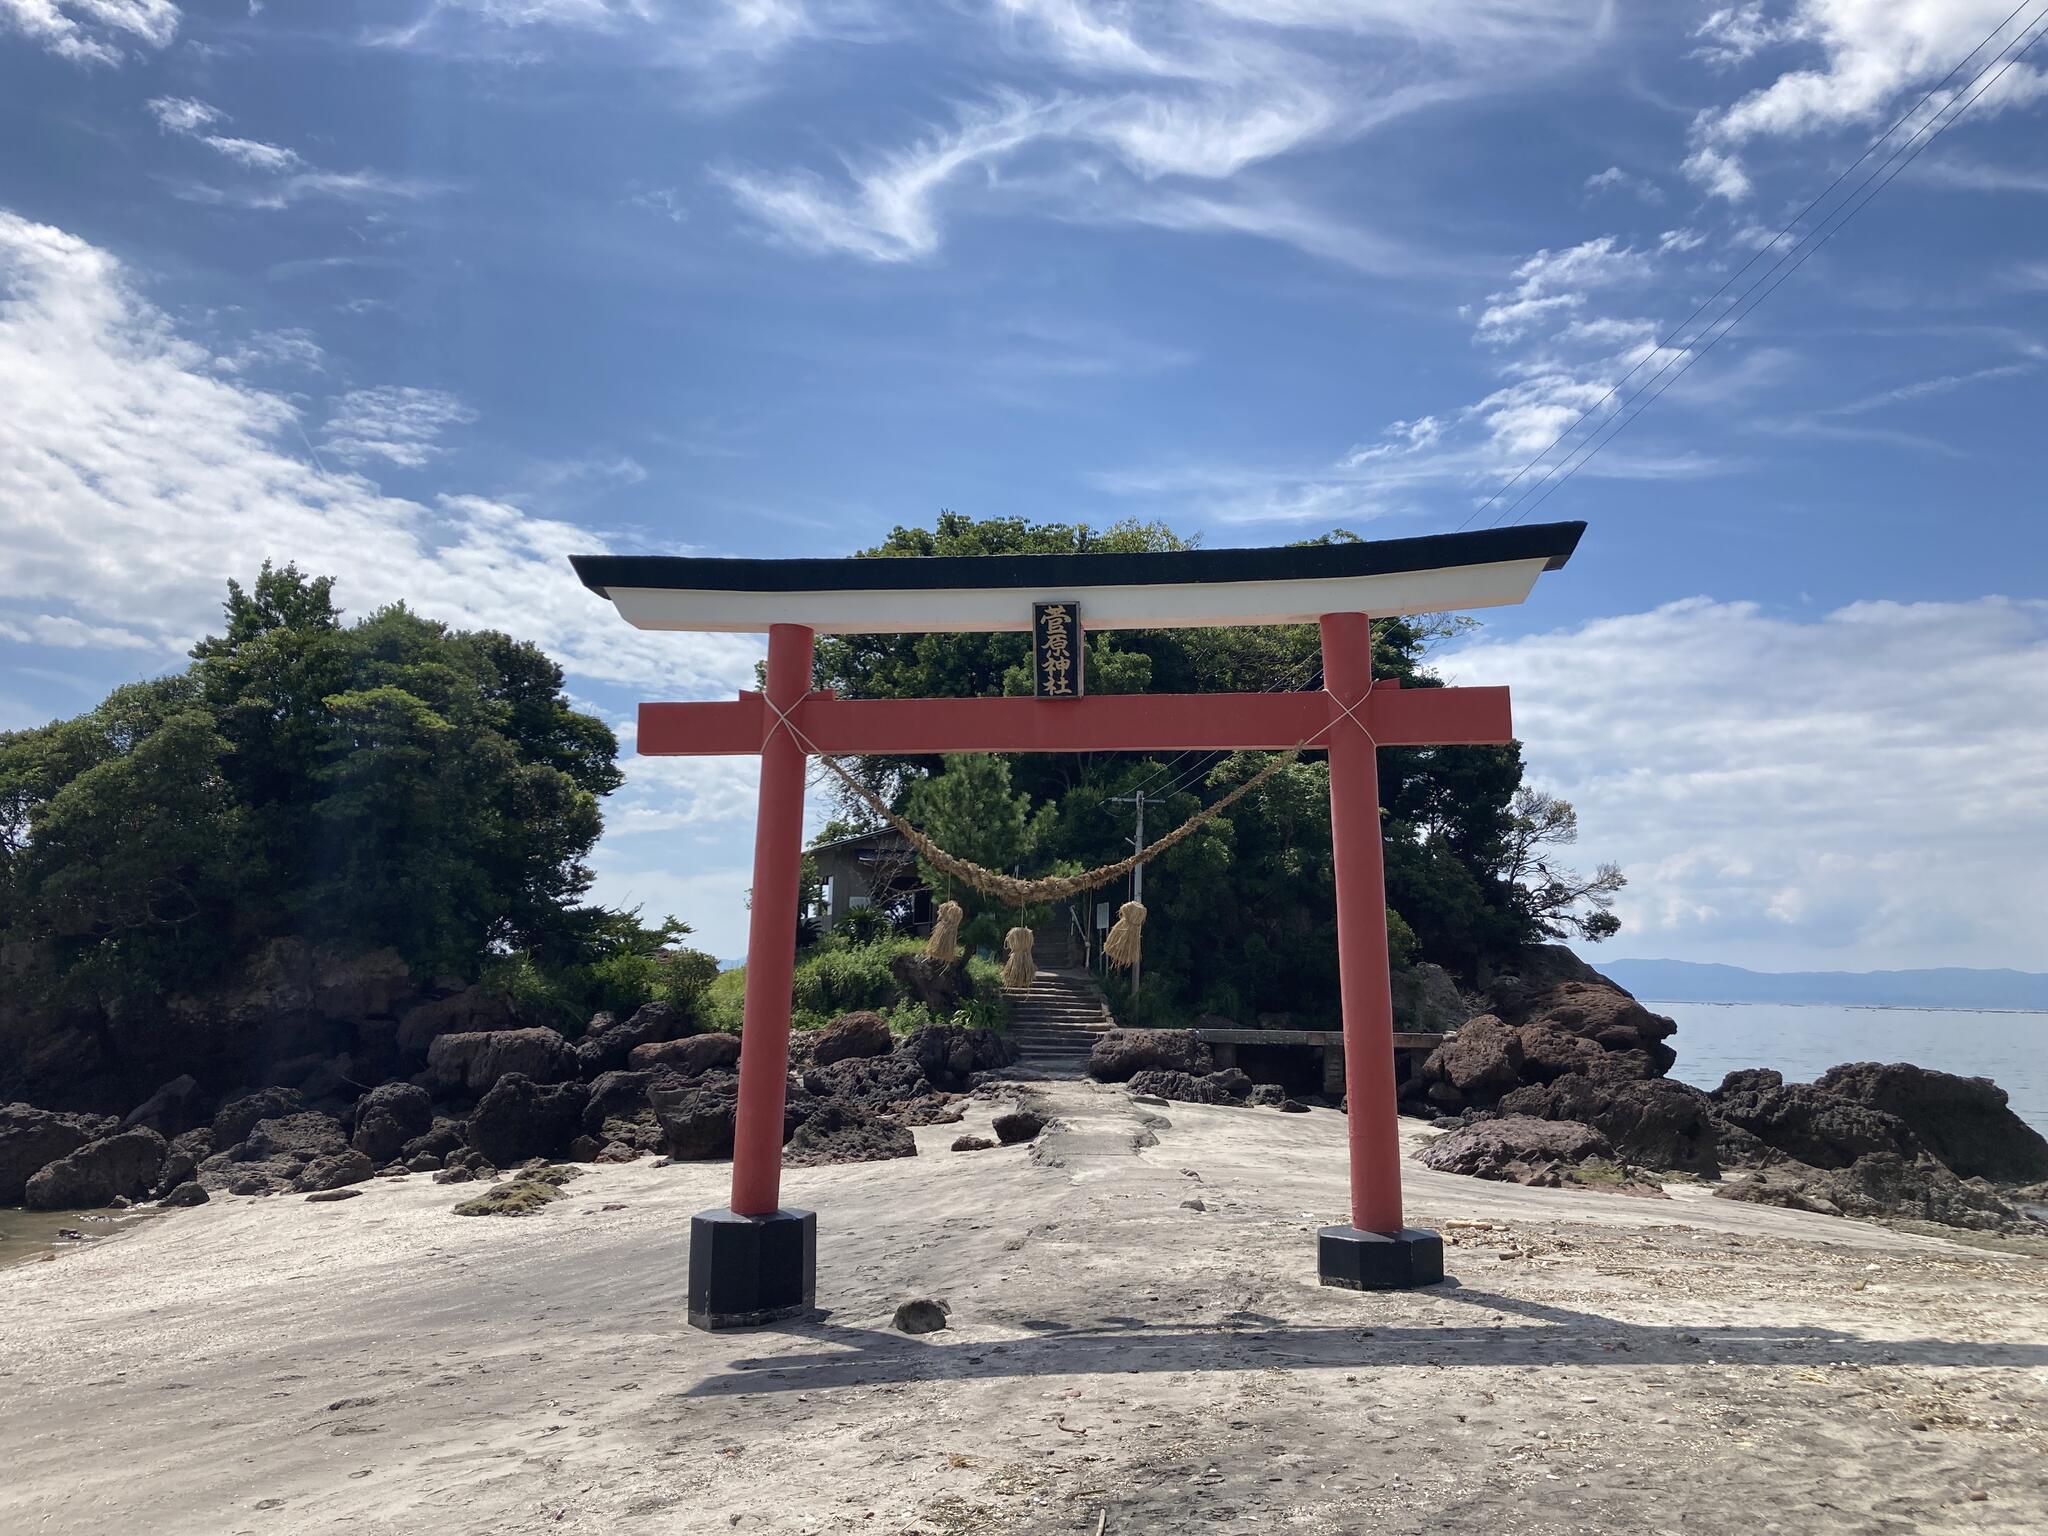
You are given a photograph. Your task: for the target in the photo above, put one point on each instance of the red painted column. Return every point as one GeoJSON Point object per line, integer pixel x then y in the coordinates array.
{"type": "Point", "coordinates": [771, 936]}
{"type": "Point", "coordinates": [1362, 933]}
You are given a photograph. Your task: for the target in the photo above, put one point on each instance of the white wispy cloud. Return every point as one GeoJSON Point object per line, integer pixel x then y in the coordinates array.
{"type": "Point", "coordinates": [1764, 780]}
{"type": "Point", "coordinates": [1134, 104]}
{"type": "Point", "coordinates": [191, 119]}
{"type": "Point", "coordinates": [1553, 281]}
{"type": "Point", "coordinates": [92, 31]}
{"type": "Point", "coordinates": [400, 424]}
{"type": "Point", "coordinates": [1615, 179]}
{"type": "Point", "coordinates": [121, 435]}
{"type": "Point", "coordinates": [1874, 58]}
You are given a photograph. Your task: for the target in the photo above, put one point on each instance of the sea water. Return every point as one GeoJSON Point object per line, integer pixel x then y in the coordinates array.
{"type": "Point", "coordinates": [1803, 1041]}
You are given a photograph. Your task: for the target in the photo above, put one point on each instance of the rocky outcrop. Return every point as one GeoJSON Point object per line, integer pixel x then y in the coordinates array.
{"type": "Point", "coordinates": [1018, 1125]}
{"type": "Point", "coordinates": [697, 1118]}
{"type": "Point", "coordinates": [879, 1082]}
{"type": "Point", "coordinates": [618, 1112]}
{"type": "Point", "coordinates": [172, 1110]}
{"type": "Point", "coordinates": [122, 1166]}
{"type": "Point", "coordinates": [853, 1035]}
{"type": "Point", "coordinates": [1965, 1122]}
{"type": "Point", "coordinates": [1229, 1086]}
{"type": "Point", "coordinates": [1881, 1186]}
{"type": "Point", "coordinates": [336, 1170]}
{"type": "Point", "coordinates": [1520, 1149]}
{"type": "Point", "coordinates": [1653, 1122]}
{"type": "Point", "coordinates": [1427, 1001]}
{"type": "Point", "coordinates": [608, 1043]}
{"type": "Point", "coordinates": [388, 1117]}
{"type": "Point", "coordinates": [471, 1063]}
{"type": "Point", "coordinates": [1763, 1118]}
{"type": "Point", "coordinates": [941, 985]}
{"type": "Point", "coordinates": [841, 1131]}
{"type": "Point", "coordinates": [518, 1118]}
{"type": "Point", "coordinates": [234, 1121]}
{"type": "Point", "coordinates": [1586, 1029]}
{"type": "Point", "coordinates": [30, 1138]}
{"type": "Point", "coordinates": [460, 1011]}
{"type": "Point", "coordinates": [687, 1057]}
{"type": "Point", "coordinates": [1121, 1053]}
{"type": "Point", "coordinates": [270, 1158]}
{"type": "Point", "coordinates": [949, 1055]}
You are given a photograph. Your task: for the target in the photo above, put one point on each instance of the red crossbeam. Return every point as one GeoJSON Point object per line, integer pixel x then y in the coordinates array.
{"type": "Point", "coordinates": [1137, 722]}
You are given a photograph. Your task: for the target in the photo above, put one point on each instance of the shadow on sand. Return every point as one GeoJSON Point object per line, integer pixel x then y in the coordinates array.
{"type": "Point", "coordinates": [1543, 1336]}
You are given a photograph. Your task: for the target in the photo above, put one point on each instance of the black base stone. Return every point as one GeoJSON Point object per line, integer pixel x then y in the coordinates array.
{"type": "Point", "coordinates": [750, 1270]}
{"type": "Point", "coordinates": [1374, 1261]}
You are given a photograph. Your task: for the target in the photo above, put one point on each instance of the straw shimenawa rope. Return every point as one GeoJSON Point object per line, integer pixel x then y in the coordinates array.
{"type": "Point", "coordinates": [1014, 892]}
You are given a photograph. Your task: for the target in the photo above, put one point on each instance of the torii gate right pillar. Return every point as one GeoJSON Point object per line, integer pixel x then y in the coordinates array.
{"type": "Point", "coordinates": [1376, 1251]}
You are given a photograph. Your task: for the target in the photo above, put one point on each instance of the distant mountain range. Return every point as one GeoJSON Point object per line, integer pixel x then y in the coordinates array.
{"type": "Point", "coordinates": [1682, 981]}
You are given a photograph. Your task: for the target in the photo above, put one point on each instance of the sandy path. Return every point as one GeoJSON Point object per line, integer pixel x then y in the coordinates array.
{"type": "Point", "coordinates": [1603, 1363]}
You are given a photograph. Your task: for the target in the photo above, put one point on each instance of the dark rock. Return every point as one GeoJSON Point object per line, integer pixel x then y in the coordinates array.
{"type": "Point", "coordinates": [696, 1118]}
{"type": "Point", "coordinates": [608, 1043]}
{"type": "Point", "coordinates": [941, 985]}
{"type": "Point", "coordinates": [31, 1138]}
{"type": "Point", "coordinates": [1293, 1107]}
{"type": "Point", "coordinates": [1653, 1122]}
{"type": "Point", "coordinates": [423, 1162]}
{"type": "Point", "coordinates": [464, 1011]}
{"type": "Point", "coordinates": [302, 1135]}
{"type": "Point", "coordinates": [1018, 1125]}
{"type": "Point", "coordinates": [454, 1176]}
{"type": "Point", "coordinates": [1539, 968]}
{"type": "Point", "coordinates": [1519, 1149]}
{"type": "Point", "coordinates": [1427, 1001]}
{"type": "Point", "coordinates": [122, 1164]}
{"type": "Point", "coordinates": [584, 1149]}
{"type": "Point", "coordinates": [950, 1055]}
{"type": "Point", "coordinates": [619, 1152]}
{"type": "Point", "coordinates": [172, 1110]}
{"type": "Point", "coordinates": [233, 1122]}
{"type": "Point", "coordinates": [853, 1034]}
{"type": "Point", "coordinates": [335, 1193]}
{"type": "Point", "coordinates": [1748, 1080]}
{"type": "Point", "coordinates": [389, 1117]}
{"type": "Point", "coordinates": [1966, 1122]}
{"type": "Point", "coordinates": [1807, 1124]}
{"type": "Point", "coordinates": [1481, 1062]}
{"type": "Point", "coordinates": [178, 1166]}
{"type": "Point", "coordinates": [922, 1315]}
{"type": "Point", "coordinates": [880, 1082]}
{"type": "Point", "coordinates": [841, 1131]}
{"type": "Point", "coordinates": [971, 1144]}
{"type": "Point", "coordinates": [441, 1138]}
{"type": "Point", "coordinates": [334, 1171]}
{"type": "Point", "coordinates": [619, 1111]}
{"type": "Point", "coordinates": [188, 1193]}
{"type": "Point", "coordinates": [1229, 1086]}
{"type": "Point", "coordinates": [1606, 1016]}
{"type": "Point", "coordinates": [1267, 1096]}
{"type": "Point", "coordinates": [519, 1118]}
{"type": "Point", "coordinates": [1880, 1185]}
{"type": "Point", "coordinates": [471, 1063]}
{"type": "Point", "coordinates": [1121, 1053]}
{"type": "Point", "coordinates": [934, 1108]}
{"type": "Point", "coordinates": [689, 1057]}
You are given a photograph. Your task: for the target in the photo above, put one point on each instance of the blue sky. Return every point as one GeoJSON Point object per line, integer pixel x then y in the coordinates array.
{"type": "Point", "coordinates": [429, 295]}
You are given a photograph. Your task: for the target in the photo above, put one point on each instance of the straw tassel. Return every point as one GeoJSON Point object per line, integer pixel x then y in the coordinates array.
{"type": "Point", "coordinates": [944, 944]}
{"type": "Point", "coordinates": [1019, 972]}
{"type": "Point", "coordinates": [1121, 948]}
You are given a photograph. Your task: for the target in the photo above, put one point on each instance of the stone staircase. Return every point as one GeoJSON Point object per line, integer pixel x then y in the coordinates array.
{"type": "Point", "coordinates": [1054, 1025]}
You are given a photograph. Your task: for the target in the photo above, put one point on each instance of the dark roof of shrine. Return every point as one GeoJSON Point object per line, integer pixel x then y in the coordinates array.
{"type": "Point", "coordinates": [1552, 543]}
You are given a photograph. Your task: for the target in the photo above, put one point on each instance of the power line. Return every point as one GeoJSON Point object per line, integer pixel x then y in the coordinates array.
{"type": "Point", "coordinates": [1876, 183]}
{"type": "Point", "coordinates": [1703, 306]}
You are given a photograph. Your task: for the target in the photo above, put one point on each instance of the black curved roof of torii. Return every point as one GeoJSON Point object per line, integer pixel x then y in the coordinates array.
{"type": "Point", "coordinates": [1551, 542]}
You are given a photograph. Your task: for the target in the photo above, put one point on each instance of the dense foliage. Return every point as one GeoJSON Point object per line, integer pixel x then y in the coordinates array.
{"type": "Point", "coordinates": [391, 782]}
{"type": "Point", "coordinates": [1242, 918]}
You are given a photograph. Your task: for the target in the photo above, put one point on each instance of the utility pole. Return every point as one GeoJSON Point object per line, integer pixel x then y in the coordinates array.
{"type": "Point", "coordinates": [1137, 873]}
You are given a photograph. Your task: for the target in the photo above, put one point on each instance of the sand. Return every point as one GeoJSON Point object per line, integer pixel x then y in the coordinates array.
{"type": "Point", "coordinates": [1115, 1360]}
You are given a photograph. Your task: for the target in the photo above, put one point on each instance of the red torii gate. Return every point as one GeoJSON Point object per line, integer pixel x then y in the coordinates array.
{"type": "Point", "coordinates": [757, 1261]}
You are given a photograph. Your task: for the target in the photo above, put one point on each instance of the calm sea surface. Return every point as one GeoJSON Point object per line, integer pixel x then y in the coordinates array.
{"type": "Point", "coordinates": [1802, 1042]}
